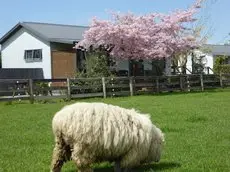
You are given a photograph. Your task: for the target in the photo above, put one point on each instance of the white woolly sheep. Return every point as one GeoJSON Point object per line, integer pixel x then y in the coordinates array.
{"type": "Point", "coordinates": [88, 133]}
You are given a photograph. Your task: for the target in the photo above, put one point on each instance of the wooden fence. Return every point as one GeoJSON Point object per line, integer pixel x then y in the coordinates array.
{"type": "Point", "coordinates": [70, 88]}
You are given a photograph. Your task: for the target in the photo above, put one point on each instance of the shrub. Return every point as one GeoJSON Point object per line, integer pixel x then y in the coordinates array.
{"type": "Point", "coordinates": [219, 66]}
{"type": "Point", "coordinates": [96, 66]}
{"type": "Point", "coordinates": [41, 88]}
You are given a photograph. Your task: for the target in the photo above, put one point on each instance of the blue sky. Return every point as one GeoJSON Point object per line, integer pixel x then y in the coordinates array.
{"type": "Point", "coordinates": [81, 12]}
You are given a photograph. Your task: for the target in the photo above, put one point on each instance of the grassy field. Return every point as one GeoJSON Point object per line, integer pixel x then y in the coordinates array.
{"type": "Point", "coordinates": [196, 126]}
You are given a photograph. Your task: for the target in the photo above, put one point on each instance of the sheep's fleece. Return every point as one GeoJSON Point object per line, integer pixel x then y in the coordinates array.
{"type": "Point", "coordinates": [96, 132]}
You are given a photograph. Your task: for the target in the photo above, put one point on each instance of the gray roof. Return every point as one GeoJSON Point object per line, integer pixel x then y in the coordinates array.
{"type": "Point", "coordinates": [50, 32]}
{"type": "Point", "coordinates": [218, 49]}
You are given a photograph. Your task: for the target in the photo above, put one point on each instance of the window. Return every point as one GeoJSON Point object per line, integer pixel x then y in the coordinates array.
{"type": "Point", "coordinates": [33, 55]}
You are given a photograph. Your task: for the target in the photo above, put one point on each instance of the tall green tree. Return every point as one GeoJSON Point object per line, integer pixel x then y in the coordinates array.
{"type": "Point", "coordinates": [97, 64]}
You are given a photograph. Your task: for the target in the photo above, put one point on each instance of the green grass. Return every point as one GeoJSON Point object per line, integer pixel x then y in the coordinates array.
{"type": "Point", "coordinates": [196, 126]}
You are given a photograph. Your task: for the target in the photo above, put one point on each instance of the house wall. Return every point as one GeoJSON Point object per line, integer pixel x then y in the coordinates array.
{"type": "Point", "coordinates": [124, 65]}
{"type": "Point", "coordinates": [148, 67]}
{"type": "Point", "coordinates": [13, 52]}
{"type": "Point", "coordinates": [209, 61]}
{"type": "Point", "coordinates": [168, 64]}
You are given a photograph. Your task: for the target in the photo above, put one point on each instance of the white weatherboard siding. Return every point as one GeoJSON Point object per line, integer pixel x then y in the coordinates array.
{"type": "Point", "coordinates": [168, 63]}
{"type": "Point", "coordinates": [210, 63]}
{"type": "Point", "coordinates": [147, 65]}
{"type": "Point", "coordinates": [208, 58]}
{"type": "Point", "coordinates": [13, 52]}
{"type": "Point", "coordinates": [124, 65]}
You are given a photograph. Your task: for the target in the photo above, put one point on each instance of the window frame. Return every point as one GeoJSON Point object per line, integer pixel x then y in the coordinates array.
{"type": "Point", "coordinates": [31, 57]}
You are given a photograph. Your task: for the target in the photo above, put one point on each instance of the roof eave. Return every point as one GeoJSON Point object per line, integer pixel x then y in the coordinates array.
{"type": "Point", "coordinates": [10, 32]}
{"type": "Point", "coordinates": [64, 41]}
{"type": "Point", "coordinates": [18, 27]}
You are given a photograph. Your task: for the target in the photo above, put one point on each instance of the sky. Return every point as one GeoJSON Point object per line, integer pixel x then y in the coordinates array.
{"type": "Point", "coordinates": [216, 12]}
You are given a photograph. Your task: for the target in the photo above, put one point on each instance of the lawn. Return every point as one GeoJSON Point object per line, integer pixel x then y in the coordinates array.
{"type": "Point", "coordinates": [196, 126]}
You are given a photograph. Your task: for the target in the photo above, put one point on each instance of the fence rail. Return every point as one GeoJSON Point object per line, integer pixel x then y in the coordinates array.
{"type": "Point", "coordinates": [69, 88]}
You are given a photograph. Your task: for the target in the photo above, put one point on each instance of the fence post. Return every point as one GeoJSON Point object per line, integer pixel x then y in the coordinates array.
{"type": "Point", "coordinates": [31, 91]}
{"type": "Point", "coordinates": [157, 84]}
{"type": "Point", "coordinates": [221, 80]}
{"type": "Point", "coordinates": [188, 84]}
{"type": "Point", "coordinates": [68, 89]}
{"type": "Point", "coordinates": [202, 82]}
{"type": "Point", "coordinates": [181, 83]}
{"type": "Point", "coordinates": [104, 87]}
{"type": "Point", "coordinates": [131, 85]}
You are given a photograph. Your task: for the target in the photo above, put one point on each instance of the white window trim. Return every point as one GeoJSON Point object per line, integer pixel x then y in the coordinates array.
{"type": "Point", "coordinates": [32, 59]}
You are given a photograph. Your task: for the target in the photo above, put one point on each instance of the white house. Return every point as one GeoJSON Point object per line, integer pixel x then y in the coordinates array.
{"type": "Point", "coordinates": [50, 48]}
{"type": "Point", "coordinates": [42, 45]}
{"type": "Point", "coordinates": [208, 57]}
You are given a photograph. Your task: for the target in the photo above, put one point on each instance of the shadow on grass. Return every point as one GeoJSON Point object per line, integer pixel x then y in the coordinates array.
{"type": "Point", "coordinates": [195, 119]}
{"type": "Point", "coordinates": [143, 168]}
{"type": "Point", "coordinates": [167, 129]}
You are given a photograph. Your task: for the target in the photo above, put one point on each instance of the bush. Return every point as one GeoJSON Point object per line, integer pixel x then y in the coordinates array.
{"type": "Point", "coordinates": [220, 67]}
{"type": "Point", "coordinates": [96, 66]}
{"type": "Point", "coordinates": [224, 68]}
{"type": "Point", "coordinates": [41, 88]}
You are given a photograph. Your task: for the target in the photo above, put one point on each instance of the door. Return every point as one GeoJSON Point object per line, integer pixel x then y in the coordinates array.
{"type": "Point", "coordinates": [63, 64]}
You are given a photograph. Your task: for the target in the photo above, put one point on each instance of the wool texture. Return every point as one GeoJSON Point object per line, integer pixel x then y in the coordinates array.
{"type": "Point", "coordinates": [94, 132]}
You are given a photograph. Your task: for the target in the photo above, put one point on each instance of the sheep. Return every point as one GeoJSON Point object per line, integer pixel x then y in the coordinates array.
{"type": "Point", "coordinates": [88, 133]}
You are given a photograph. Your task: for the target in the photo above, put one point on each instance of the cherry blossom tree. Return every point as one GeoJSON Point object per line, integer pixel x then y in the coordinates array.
{"type": "Point", "coordinates": [151, 36]}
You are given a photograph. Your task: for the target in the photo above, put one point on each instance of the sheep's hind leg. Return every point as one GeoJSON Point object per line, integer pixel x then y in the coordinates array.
{"type": "Point", "coordinates": [61, 153]}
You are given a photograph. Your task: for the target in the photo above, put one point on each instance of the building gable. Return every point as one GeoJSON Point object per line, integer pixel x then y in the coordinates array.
{"type": "Point", "coordinates": [49, 32]}
{"type": "Point", "coordinates": [14, 51]}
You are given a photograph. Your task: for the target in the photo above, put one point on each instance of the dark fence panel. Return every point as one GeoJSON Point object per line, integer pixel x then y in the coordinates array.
{"type": "Point", "coordinates": [6, 88]}
{"type": "Point", "coordinates": [145, 85]}
{"type": "Point", "coordinates": [117, 86]}
{"type": "Point", "coordinates": [41, 89]}
{"type": "Point", "coordinates": [14, 87]}
{"type": "Point", "coordinates": [225, 79]}
{"type": "Point", "coordinates": [86, 87]}
{"type": "Point", "coordinates": [23, 73]}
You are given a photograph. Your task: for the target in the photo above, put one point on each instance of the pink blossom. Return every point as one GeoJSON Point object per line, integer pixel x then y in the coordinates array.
{"type": "Point", "coordinates": [154, 35]}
